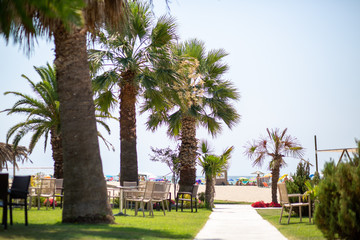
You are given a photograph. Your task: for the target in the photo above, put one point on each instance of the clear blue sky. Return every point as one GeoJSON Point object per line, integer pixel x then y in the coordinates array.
{"type": "Point", "coordinates": [295, 63]}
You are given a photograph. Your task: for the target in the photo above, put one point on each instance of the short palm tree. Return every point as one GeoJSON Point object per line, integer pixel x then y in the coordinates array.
{"type": "Point", "coordinates": [212, 166]}
{"type": "Point", "coordinates": [12, 155]}
{"type": "Point", "coordinates": [43, 116]}
{"type": "Point", "coordinates": [200, 97]}
{"type": "Point", "coordinates": [276, 145]}
{"type": "Point", "coordinates": [129, 61]}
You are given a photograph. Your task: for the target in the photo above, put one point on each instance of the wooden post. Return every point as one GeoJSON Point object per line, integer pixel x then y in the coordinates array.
{"type": "Point", "coordinates": [316, 158]}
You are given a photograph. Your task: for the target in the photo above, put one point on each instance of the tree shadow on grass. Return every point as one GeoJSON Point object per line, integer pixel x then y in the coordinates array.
{"type": "Point", "coordinates": [83, 231]}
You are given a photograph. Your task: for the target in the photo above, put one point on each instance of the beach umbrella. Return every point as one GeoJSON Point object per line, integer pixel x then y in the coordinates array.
{"type": "Point", "coordinates": [243, 178]}
{"type": "Point", "coordinates": [268, 175]}
{"type": "Point", "coordinates": [258, 172]}
{"type": "Point", "coordinates": [284, 176]}
{"type": "Point", "coordinates": [252, 179]}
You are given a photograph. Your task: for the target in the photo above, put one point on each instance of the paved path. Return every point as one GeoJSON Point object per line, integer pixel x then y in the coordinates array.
{"type": "Point", "coordinates": [230, 221]}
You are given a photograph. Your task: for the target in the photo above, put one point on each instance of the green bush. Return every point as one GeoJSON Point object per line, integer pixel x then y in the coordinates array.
{"type": "Point", "coordinates": [337, 214]}
{"type": "Point", "coordinates": [298, 184]}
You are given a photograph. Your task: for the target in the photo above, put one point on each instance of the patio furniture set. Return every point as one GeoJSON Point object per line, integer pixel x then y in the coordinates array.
{"type": "Point", "coordinates": [20, 190]}
{"type": "Point", "coordinates": [147, 194]}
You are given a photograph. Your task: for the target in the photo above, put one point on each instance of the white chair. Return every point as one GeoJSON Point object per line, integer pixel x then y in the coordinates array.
{"type": "Point", "coordinates": [161, 194]}
{"type": "Point", "coordinates": [129, 194]}
{"type": "Point", "coordinates": [47, 190]}
{"type": "Point", "coordinates": [285, 202]}
{"type": "Point", "coordinates": [59, 190]}
{"type": "Point", "coordinates": [143, 197]}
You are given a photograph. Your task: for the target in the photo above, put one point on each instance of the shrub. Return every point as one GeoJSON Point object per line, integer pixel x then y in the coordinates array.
{"type": "Point", "coordinates": [337, 213]}
{"type": "Point", "coordinates": [201, 196]}
{"type": "Point", "coordinates": [261, 204]}
{"type": "Point", "coordinates": [50, 202]}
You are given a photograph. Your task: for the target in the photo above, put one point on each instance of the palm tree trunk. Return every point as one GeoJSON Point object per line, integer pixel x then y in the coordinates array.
{"type": "Point", "coordinates": [209, 192]}
{"type": "Point", "coordinates": [275, 178]}
{"type": "Point", "coordinates": [85, 195]}
{"type": "Point", "coordinates": [187, 154]}
{"type": "Point", "coordinates": [57, 153]}
{"type": "Point", "coordinates": [128, 155]}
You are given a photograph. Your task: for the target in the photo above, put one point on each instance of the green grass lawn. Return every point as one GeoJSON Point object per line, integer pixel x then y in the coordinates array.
{"type": "Point", "coordinates": [296, 229]}
{"type": "Point", "coordinates": [230, 202]}
{"type": "Point", "coordinates": [46, 224]}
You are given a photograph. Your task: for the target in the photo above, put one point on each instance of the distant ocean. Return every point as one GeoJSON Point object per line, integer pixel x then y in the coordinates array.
{"type": "Point", "coordinates": [231, 179]}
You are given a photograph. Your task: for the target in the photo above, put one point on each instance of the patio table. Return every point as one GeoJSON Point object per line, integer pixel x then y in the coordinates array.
{"type": "Point", "coordinates": [121, 198]}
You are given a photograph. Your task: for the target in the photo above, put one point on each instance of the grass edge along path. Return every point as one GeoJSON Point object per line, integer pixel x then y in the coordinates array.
{"type": "Point", "coordinates": [296, 229]}
{"type": "Point", "coordinates": [46, 224]}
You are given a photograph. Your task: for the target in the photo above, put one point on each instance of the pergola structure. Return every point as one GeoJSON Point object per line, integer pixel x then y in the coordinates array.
{"type": "Point", "coordinates": [344, 151]}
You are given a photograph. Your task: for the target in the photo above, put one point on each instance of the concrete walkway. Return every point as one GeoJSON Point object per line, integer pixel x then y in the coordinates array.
{"type": "Point", "coordinates": [230, 221]}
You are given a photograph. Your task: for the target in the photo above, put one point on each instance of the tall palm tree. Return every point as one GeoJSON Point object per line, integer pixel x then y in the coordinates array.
{"type": "Point", "coordinates": [200, 97]}
{"type": "Point", "coordinates": [134, 59]}
{"type": "Point", "coordinates": [43, 116]}
{"type": "Point", "coordinates": [277, 145]}
{"type": "Point", "coordinates": [212, 166]}
{"type": "Point", "coordinates": [69, 22]}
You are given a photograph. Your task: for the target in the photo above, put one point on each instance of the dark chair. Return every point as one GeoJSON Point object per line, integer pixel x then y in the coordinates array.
{"type": "Point", "coordinates": [19, 191]}
{"type": "Point", "coordinates": [193, 196]}
{"type": "Point", "coordinates": [4, 189]}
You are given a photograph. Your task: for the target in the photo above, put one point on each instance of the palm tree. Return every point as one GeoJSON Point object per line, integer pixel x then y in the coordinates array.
{"type": "Point", "coordinates": [139, 58]}
{"type": "Point", "coordinates": [200, 97]}
{"type": "Point", "coordinates": [276, 145]}
{"type": "Point", "coordinates": [212, 166]}
{"type": "Point", "coordinates": [43, 116]}
{"type": "Point", "coordinates": [9, 153]}
{"type": "Point", "coordinates": [69, 22]}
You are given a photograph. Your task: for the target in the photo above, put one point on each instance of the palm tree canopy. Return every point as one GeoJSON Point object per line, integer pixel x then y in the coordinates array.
{"type": "Point", "coordinates": [212, 164]}
{"type": "Point", "coordinates": [42, 111]}
{"type": "Point", "coordinates": [139, 54]}
{"type": "Point", "coordinates": [200, 93]}
{"type": "Point", "coordinates": [9, 153]}
{"type": "Point", "coordinates": [25, 20]}
{"type": "Point", "coordinates": [277, 145]}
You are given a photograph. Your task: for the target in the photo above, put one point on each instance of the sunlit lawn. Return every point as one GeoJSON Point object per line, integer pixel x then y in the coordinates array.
{"type": "Point", "coordinates": [294, 230]}
{"type": "Point", "coordinates": [46, 224]}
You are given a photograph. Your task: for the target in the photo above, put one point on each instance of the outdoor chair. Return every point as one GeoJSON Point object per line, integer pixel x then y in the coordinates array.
{"type": "Point", "coordinates": [142, 185]}
{"type": "Point", "coordinates": [19, 191]}
{"type": "Point", "coordinates": [33, 192]}
{"type": "Point", "coordinates": [111, 193]}
{"type": "Point", "coordinates": [160, 194]}
{"type": "Point", "coordinates": [285, 202]}
{"type": "Point", "coordinates": [59, 190]}
{"type": "Point", "coordinates": [129, 193]}
{"type": "Point", "coordinates": [193, 197]}
{"type": "Point", "coordinates": [47, 190]}
{"type": "Point", "coordinates": [167, 196]}
{"type": "Point", "coordinates": [142, 197]}
{"type": "Point", "coordinates": [4, 189]}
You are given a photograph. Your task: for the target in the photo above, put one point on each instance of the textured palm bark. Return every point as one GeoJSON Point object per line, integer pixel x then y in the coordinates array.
{"type": "Point", "coordinates": [275, 178]}
{"type": "Point", "coordinates": [128, 155]}
{"type": "Point", "coordinates": [209, 192]}
{"type": "Point", "coordinates": [57, 153]}
{"type": "Point", "coordinates": [85, 195]}
{"type": "Point", "coordinates": [188, 153]}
